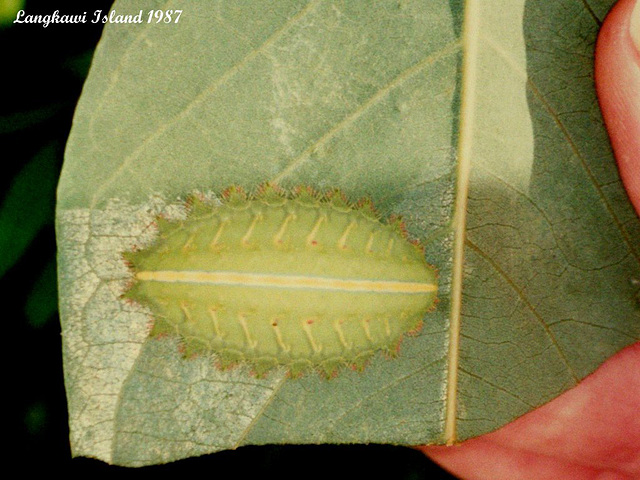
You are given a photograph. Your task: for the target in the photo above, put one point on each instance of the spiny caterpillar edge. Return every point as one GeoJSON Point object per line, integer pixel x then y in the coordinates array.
{"type": "Point", "coordinates": [297, 278]}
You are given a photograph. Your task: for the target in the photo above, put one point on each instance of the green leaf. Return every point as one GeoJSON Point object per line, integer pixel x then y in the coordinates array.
{"type": "Point", "coordinates": [8, 11]}
{"type": "Point", "coordinates": [476, 122]}
{"type": "Point", "coordinates": [27, 206]}
{"type": "Point", "coordinates": [41, 303]}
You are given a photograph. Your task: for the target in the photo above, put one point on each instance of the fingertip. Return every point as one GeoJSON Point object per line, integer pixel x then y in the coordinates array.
{"type": "Point", "coordinates": [617, 75]}
{"type": "Point", "coordinates": [635, 26]}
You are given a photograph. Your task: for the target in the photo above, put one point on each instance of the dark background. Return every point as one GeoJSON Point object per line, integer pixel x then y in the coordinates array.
{"type": "Point", "coordinates": [43, 72]}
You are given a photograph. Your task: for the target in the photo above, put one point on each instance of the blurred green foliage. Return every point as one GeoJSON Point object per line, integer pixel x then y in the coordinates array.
{"type": "Point", "coordinates": [35, 417]}
{"type": "Point", "coordinates": [43, 73]}
{"type": "Point", "coordinates": [8, 11]}
{"type": "Point", "coordinates": [27, 206]}
{"type": "Point", "coordinates": [42, 302]}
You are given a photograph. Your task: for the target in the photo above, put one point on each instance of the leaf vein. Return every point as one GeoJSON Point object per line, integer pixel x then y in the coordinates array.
{"type": "Point", "coordinates": [592, 178]}
{"type": "Point", "coordinates": [529, 306]}
{"type": "Point", "coordinates": [211, 88]}
{"type": "Point", "coordinates": [365, 106]}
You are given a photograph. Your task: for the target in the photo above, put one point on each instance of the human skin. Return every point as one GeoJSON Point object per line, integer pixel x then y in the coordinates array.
{"type": "Point", "coordinates": [593, 430]}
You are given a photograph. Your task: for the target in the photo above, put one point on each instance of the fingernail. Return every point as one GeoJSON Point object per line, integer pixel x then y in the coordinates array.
{"type": "Point", "coordinates": [634, 26]}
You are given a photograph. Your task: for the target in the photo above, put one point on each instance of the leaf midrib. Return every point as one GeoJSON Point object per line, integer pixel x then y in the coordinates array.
{"type": "Point", "coordinates": [470, 33]}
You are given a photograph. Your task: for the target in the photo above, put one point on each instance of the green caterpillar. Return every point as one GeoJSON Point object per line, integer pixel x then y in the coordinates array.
{"type": "Point", "coordinates": [297, 279]}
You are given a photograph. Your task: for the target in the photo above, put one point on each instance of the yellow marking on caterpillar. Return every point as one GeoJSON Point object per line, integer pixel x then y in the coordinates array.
{"type": "Point", "coordinates": [286, 281]}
